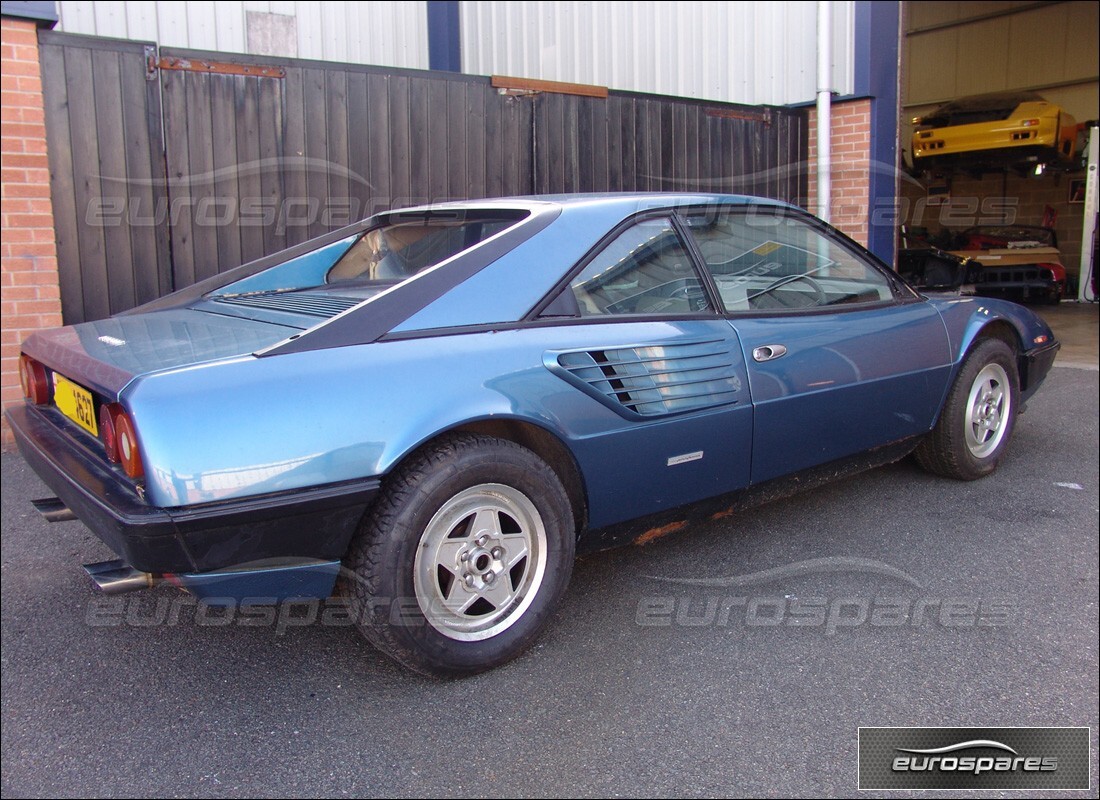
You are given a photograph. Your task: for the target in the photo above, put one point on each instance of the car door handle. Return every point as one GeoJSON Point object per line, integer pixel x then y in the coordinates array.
{"type": "Point", "coordinates": [768, 352]}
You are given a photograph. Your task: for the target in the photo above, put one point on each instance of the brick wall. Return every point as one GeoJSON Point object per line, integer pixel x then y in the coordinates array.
{"type": "Point", "coordinates": [29, 293]}
{"type": "Point", "coordinates": [850, 176]}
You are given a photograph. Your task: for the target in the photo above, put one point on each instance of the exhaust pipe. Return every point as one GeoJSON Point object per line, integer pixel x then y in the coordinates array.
{"type": "Point", "coordinates": [118, 577]}
{"type": "Point", "coordinates": [53, 509]}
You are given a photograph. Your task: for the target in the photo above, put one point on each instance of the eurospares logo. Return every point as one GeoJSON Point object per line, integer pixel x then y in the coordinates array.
{"type": "Point", "coordinates": [974, 758]}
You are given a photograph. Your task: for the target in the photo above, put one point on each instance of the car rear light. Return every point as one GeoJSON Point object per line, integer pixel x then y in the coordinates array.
{"type": "Point", "coordinates": [32, 377]}
{"type": "Point", "coordinates": [1057, 271]}
{"type": "Point", "coordinates": [107, 430]}
{"type": "Point", "coordinates": [127, 443]}
{"type": "Point", "coordinates": [1030, 123]}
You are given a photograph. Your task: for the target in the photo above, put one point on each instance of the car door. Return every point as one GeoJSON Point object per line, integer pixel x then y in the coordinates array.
{"type": "Point", "coordinates": [663, 416]}
{"type": "Point", "coordinates": [841, 357]}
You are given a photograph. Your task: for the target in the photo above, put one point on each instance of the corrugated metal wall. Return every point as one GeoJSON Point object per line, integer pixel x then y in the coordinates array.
{"type": "Point", "coordinates": [736, 52]}
{"type": "Point", "coordinates": [752, 53]}
{"type": "Point", "coordinates": [393, 34]}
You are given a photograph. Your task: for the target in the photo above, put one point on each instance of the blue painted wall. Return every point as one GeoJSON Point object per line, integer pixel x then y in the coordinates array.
{"type": "Point", "coordinates": [876, 76]}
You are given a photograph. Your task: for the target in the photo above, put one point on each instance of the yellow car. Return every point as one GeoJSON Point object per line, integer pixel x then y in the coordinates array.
{"type": "Point", "coordinates": [995, 129]}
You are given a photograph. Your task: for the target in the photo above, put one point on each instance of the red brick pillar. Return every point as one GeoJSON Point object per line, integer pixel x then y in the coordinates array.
{"type": "Point", "coordinates": [29, 293]}
{"type": "Point", "coordinates": [850, 175]}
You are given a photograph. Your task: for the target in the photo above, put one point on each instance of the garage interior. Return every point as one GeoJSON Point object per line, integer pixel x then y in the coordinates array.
{"type": "Point", "coordinates": [960, 50]}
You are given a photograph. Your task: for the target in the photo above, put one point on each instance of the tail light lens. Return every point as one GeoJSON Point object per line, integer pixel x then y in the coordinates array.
{"type": "Point", "coordinates": [32, 377]}
{"type": "Point", "coordinates": [125, 441]}
{"type": "Point", "coordinates": [107, 430]}
{"type": "Point", "coordinates": [1057, 271]}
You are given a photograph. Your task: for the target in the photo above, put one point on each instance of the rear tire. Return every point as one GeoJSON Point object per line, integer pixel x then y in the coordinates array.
{"type": "Point", "coordinates": [979, 416]}
{"type": "Point", "coordinates": [464, 558]}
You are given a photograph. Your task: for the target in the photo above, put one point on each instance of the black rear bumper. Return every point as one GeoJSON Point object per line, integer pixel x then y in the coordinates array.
{"type": "Point", "coordinates": [315, 523]}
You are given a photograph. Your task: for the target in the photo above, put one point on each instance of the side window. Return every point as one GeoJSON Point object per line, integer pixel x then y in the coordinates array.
{"type": "Point", "coordinates": [765, 261]}
{"type": "Point", "coordinates": [645, 270]}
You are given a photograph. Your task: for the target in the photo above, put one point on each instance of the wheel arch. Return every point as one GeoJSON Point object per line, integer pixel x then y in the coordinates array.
{"type": "Point", "coordinates": [543, 443]}
{"type": "Point", "coordinates": [1002, 329]}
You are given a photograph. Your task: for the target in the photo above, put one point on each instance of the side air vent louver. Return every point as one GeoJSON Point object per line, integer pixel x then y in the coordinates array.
{"type": "Point", "coordinates": [657, 379]}
{"type": "Point", "coordinates": [314, 305]}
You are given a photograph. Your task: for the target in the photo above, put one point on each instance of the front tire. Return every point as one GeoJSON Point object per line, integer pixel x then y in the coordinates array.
{"type": "Point", "coordinates": [464, 557]}
{"type": "Point", "coordinates": [979, 416]}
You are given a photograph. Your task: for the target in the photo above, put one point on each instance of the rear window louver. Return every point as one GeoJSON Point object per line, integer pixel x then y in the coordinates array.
{"type": "Point", "coordinates": [654, 380]}
{"type": "Point", "coordinates": [314, 305]}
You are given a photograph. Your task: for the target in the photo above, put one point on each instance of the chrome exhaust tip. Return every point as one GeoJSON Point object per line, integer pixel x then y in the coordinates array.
{"type": "Point", "coordinates": [118, 577]}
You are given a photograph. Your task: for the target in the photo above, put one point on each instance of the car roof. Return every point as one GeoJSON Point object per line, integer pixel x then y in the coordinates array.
{"type": "Point", "coordinates": [611, 203]}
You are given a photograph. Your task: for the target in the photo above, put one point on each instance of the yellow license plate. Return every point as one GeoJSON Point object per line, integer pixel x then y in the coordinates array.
{"type": "Point", "coordinates": [75, 402]}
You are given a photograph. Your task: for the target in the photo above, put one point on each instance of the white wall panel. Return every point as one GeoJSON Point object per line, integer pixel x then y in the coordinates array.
{"type": "Point", "coordinates": [742, 52]}
{"type": "Point", "coordinates": [745, 52]}
{"type": "Point", "coordinates": [391, 34]}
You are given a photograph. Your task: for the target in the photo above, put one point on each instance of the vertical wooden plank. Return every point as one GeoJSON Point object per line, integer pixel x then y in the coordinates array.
{"type": "Point", "coordinates": [248, 168]}
{"type": "Point", "coordinates": [113, 180]}
{"type": "Point", "coordinates": [714, 131]}
{"type": "Point", "coordinates": [145, 167]}
{"type": "Point", "coordinates": [597, 178]}
{"type": "Point", "coordinates": [691, 149]}
{"type": "Point", "coordinates": [379, 144]}
{"type": "Point", "coordinates": [178, 158]}
{"type": "Point", "coordinates": [438, 141]}
{"type": "Point", "coordinates": [704, 171]}
{"type": "Point", "coordinates": [458, 183]}
{"type": "Point", "coordinates": [516, 144]}
{"type": "Point", "coordinates": [316, 149]}
{"type": "Point", "coordinates": [614, 106]}
{"type": "Point", "coordinates": [294, 209]}
{"type": "Point", "coordinates": [646, 138]}
{"type": "Point", "coordinates": [400, 191]}
{"type": "Point", "coordinates": [200, 184]}
{"type": "Point", "coordinates": [62, 183]}
{"type": "Point", "coordinates": [359, 122]}
{"type": "Point", "coordinates": [581, 143]}
{"type": "Point", "coordinates": [336, 211]}
{"type": "Point", "coordinates": [629, 121]}
{"type": "Point", "coordinates": [494, 158]}
{"type": "Point", "coordinates": [271, 125]}
{"type": "Point", "coordinates": [680, 148]}
{"type": "Point", "coordinates": [222, 214]}
{"type": "Point", "coordinates": [571, 130]}
{"type": "Point", "coordinates": [539, 121]}
{"type": "Point", "coordinates": [666, 168]}
{"type": "Point", "coordinates": [475, 140]}
{"type": "Point", "coordinates": [82, 116]}
{"type": "Point", "coordinates": [419, 148]}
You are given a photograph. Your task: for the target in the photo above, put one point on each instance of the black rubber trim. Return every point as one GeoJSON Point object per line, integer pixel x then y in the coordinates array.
{"type": "Point", "coordinates": [314, 523]}
{"type": "Point", "coordinates": [378, 316]}
{"type": "Point", "coordinates": [1037, 364]}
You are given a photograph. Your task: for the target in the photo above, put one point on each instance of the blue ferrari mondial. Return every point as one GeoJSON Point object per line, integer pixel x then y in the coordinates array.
{"type": "Point", "coordinates": [438, 406]}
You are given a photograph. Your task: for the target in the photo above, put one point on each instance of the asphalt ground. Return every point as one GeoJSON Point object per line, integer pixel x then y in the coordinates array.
{"type": "Point", "coordinates": [642, 686]}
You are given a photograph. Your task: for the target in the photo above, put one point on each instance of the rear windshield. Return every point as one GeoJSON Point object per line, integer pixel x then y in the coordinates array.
{"type": "Point", "coordinates": [399, 251]}
{"type": "Point", "coordinates": [364, 264]}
